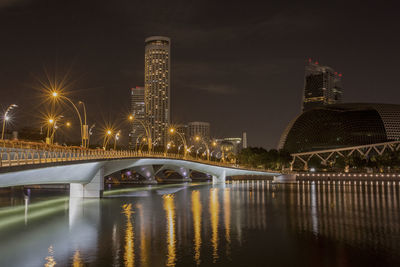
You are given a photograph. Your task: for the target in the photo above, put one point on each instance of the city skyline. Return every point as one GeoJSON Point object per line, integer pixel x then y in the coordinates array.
{"type": "Point", "coordinates": [243, 62]}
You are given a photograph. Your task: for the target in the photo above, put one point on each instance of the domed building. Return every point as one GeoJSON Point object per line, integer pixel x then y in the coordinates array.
{"type": "Point", "coordinates": [341, 125]}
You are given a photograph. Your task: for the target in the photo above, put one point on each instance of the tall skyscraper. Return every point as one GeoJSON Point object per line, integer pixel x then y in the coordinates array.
{"type": "Point", "coordinates": [138, 110]}
{"type": "Point", "coordinates": [157, 61]}
{"type": "Point", "coordinates": [322, 86]}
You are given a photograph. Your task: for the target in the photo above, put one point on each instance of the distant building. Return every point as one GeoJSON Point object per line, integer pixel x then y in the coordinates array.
{"type": "Point", "coordinates": [342, 125]}
{"type": "Point", "coordinates": [233, 143]}
{"type": "Point", "coordinates": [322, 86]}
{"type": "Point", "coordinates": [198, 128]}
{"type": "Point", "coordinates": [183, 129]}
{"type": "Point", "coordinates": [157, 87]}
{"type": "Point", "coordinates": [244, 140]}
{"type": "Point", "coordinates": [138, 110]}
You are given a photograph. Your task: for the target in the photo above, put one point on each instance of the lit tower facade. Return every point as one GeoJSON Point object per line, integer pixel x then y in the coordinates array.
{"type": "Point", "coordinates": [322, 86]}
{"type": "Point", "coordinates": [199, 128]}
{"type": "Point", "coordinates": [139, 111]}
{"type": "Point", "coordinates": [157, 61]}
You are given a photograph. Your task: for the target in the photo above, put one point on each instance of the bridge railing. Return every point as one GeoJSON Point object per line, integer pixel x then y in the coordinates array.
{"type": "Point", "coordinates": [17, 153]}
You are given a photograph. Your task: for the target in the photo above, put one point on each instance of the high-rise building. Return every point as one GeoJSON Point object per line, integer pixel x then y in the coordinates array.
{"type": "Point", "coordinates": [138, 110]}
{"type": "Point", "coordinates": [198, 128]}
{"type": "Point", "coordinates": [157, 61]}
{"type": "Point", "coordinates": [322, 86]}
{"type": "Point", "coordinates": [244, 140]}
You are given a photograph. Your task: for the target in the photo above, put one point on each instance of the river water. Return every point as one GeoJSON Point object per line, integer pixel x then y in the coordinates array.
{"type": "Point", "coordinates": [241, 223]}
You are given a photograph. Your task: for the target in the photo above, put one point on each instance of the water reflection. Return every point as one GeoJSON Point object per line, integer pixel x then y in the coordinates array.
{"type": "Point", "coordinates": [239, 224]}
{"type": "Point", "coordinates": [77, 259]}
{"type": "Point", "coordinates": [350, 212]}
{"type": "Point", "coordinates": [169, 207]}
{"type": "Point", "coordinates": [214, 217]}
{"type": "Point", "coordinates": [50, 261]}
{"type": "Point", "coordinates": [196, 210]}
{"type": "Point", "coordinates": [143, 241]}
{"type": "Point", "coordinates": [227, 218]}
{"type": "Point", "coordinates": [129, 255]}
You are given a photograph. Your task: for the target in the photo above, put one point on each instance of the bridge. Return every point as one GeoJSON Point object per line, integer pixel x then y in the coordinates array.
{"type": "Point", "coordinates": [344, 152]}
{"type": "Point", "coordinates": [28, 163]}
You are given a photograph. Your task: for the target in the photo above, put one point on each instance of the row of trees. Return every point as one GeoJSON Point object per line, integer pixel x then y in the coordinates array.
{"type": "Point", "coordinates": [389, 160]}
{"type": "Point", "coordinates": [260, 157]}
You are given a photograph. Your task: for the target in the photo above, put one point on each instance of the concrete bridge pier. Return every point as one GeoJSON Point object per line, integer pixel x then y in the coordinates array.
{"type": "Point", "coordinates": [220, 179]}
{"type": "Point", "coordinates": [93, 189]}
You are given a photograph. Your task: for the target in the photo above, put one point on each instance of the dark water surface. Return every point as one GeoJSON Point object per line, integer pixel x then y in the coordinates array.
{"type": "Point", "coordinates": [241, 223]}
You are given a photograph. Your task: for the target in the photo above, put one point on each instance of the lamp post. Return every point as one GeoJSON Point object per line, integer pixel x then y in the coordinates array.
{"type": "Point", "coordinates": [85, 128]}
{"type": "Point", "coordinates": [55, 127]}
{"type": "Point", "coordinates": [169, 144]}
{"type": "Point", "coordinates": [90, 134]}
{"type": "Point", "coordinates": [6, 118]}
{"type": "Point", "coordinates": [106, 139]}
{"type": "Point", "coordinates": [173, 131]}
{"type": "Point", "coordinates": [116, 138]}
{"type": "Point", "coordinates": [146, 129]}
{"type": "Point", "coordinates": [55, 95]}
{"type": "Point", "coordinates": [198, 138]}
{"type": "Point", "coordinates": [50, 123]}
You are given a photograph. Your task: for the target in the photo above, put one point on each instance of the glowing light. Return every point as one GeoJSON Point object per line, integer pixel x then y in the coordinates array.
{"type": "Point", "coordinates": [77, 260]}
{"type": "Point", "coordinates": [214, 213]}
{"type": "Point", "coordinates": [54, 94]}
{"type": "Point", "coordinates": [109, 132]}
{"type": "Point", "coordinates": [129, 255]}
{"type": "Point", "coordinates": [51, 121]}
{"type": "Point", "coordinates": [68, 124]}
{"type": "Point", "coordinates": [227, 215]}
{"type": "Point", "coordinates": [196, 210]}
{"type": "Point", "coordinates": [131, 117]}
{"type": "Point", "coordinates": [50, 262]}
{"type": "Point", "coordinates": [172, 130]}
{"type": "Point", "coordinates": [169, 207]}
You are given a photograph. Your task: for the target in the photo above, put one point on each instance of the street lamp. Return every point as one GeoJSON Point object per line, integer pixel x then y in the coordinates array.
{"type": "Point", "coordinates": [52, 123]}
{"type": "Point", "coordinates": [107, 137]}
{"type": "Point", "coordinates": [90, 134]}
{"type": "Point", "coordinates": [146, 129]}
{"type": "Point", "coordinates": [84, 134]}
{"type": "Point", "coordinates": [116, 138]}
{"type": "Point", "coordinates": [85, 128]}
{"type": "Point", "coordinates": [198, 138]}
{"type": "Point", "coordinates": [173, 131]}
{"type": "Point", "coordinates": [6, 118]}
{"type": "Point", "coordinates": [169, 145]}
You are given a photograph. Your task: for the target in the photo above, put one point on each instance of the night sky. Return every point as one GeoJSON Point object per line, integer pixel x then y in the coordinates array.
{"type": "Point", "coordinates": [237, 64]}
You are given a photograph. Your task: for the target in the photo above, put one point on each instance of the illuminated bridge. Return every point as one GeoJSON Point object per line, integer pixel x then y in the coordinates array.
{"type": "Point", "coordinates": [24, 163]}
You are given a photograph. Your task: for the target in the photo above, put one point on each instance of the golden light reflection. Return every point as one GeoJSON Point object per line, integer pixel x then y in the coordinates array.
{"type": "Point", "coordinates": [196, 210]}
{"type": "Point", "coordinates": [77, 259]}
{"type": "Point", "coordinates": [129, 255]}
{"type": "Point", "coordinates": [227, 218]}
{"type": "Point", "coordinates": [169, 207]}
{"type": "Point", "coordinates": [143, 244]}
{"type": "Point", "coordinates": [50, 261]}
{"type": "Point", "coordinates": [214, 210]}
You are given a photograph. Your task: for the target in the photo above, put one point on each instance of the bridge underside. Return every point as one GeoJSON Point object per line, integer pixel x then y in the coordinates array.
{"type": "Point", "coordinates": [86, 179]}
